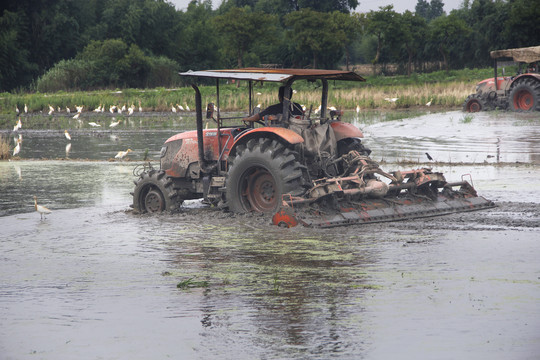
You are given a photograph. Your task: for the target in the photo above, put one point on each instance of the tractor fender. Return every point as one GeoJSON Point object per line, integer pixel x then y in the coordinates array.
{"type": "Point", "coordinates": [345, 130]}
{"type": "Point", "coordinates": [284, 135]}
{"type": "Point", "coordinates": [535, 77]}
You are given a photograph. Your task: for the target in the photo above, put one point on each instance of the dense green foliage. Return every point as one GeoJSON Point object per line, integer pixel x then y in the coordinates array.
{"type": "Point", "coordinates": [87, 44]}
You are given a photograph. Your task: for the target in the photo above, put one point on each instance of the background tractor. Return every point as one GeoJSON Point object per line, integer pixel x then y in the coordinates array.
{"type": "Point", "coordinates": [519, 93]}
{"type": "Point", "coordinates": [285, 163]}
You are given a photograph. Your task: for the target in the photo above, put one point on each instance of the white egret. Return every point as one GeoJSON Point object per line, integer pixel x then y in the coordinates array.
{"type": "Point", "coordinates": [115, 124]}
{"type": "Point", "coordinates": [17, 148]}
{"type": "Point", "coordinates": [42, 210]}
{"type": "Point", "coordinates": [79, 108]}
{"type": "Point", "coordinates": [187, 107]}
{"type": "Point", "coordinates": [180, 107]}
{"type": "Point", "coordinates": [76, 116]}
{"type": "Point", "coordinates": [122, 154]}
{"type": "Point", "coordinates": [173, 109]}
{"type": "Point", "coordinates": [68, 149]}
{"type": "Point", "coordinates": [25, 109]}
{"type": "Point", "coordinates": [429, 102]}
{"type": "Point", "coordinates": [393, 100]}
{"type": "Point", "coordinates": [17, 109]}
{"type": "Point", "coordinates": [18, 125]}
{"type": "Point", "coordinates": [112, 108]}
{"type": "Point", "coordinates": [93, 124]}
{"type": "Point", "coordinates": [357, 109]}
{"type": "Point", "coordinates": [66, 134]}
{"type": "Point", "coordinates": [51, 109]}
{"type": "Point", "coordinates": [130, 110]}
{"type": "Point", "coordinates": [68, 110]}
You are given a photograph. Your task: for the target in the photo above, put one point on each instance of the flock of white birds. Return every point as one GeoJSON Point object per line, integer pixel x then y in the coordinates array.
{"type": "Point", "coordinates": [18, 138]}
{"type": "Point", "coordinates": [113, 109]}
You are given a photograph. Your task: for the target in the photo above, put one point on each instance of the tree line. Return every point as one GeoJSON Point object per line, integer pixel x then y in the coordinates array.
{"type": "Point", "coordinates": [52, 45]}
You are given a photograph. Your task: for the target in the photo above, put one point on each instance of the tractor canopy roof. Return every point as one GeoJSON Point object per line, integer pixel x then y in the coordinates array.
{"type": "Point", "coordinates": [276, 75]}
{"type": "Point", "coordinates": [527, 55]}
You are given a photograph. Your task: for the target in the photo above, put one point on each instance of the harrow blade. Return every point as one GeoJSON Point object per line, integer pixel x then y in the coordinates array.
{"type": "Point", "coordinates": [378, 210]}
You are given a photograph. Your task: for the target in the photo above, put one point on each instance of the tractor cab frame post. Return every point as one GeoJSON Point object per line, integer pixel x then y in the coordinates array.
{"type": "Point", "coordinates": [495, 66]}
{"type": "Point", "coordinates": [218, 127]}
{"type": "Point", "coordinates": [204, 165]}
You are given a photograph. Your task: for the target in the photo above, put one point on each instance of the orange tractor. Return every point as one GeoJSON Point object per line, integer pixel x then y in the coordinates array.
{"type": "Point", "coordinates": [519, 93]}
{"type": "Point", "coordinates": [310, 168]}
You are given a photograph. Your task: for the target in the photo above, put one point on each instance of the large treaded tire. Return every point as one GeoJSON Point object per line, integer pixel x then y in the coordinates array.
{"type": "Point", "coordinates": [260, 174]}
{"type": "Point", "coordinates": [473, 103]}
{"type": "Point", "coordinates": [525, 95]}
{"type": "Point", "coordinates": [154, 193]}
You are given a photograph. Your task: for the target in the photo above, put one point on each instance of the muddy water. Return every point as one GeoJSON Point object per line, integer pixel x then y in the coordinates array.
{"type": "Point", "coordinates": [93, 281]}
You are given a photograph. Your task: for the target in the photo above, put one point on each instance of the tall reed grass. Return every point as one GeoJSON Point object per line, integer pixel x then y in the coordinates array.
{"type": "Point", "coordinates": [5, 151]}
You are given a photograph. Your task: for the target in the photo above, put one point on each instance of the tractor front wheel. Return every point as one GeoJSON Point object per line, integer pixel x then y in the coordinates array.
{"type": "Point", "coordinates": [473, 103]}
{"type": "Point", "coordinates": [525, 95]}
{"type": "Point", "coordinates": [261, 173]}
{"type": "Point", "coordinates": [154, 193]}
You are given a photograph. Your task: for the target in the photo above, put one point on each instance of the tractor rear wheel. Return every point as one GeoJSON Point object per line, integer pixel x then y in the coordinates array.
{"type": "Point", "coordinates": [154, 193]}
{"type": "Point", "coordinates": [260, 174]}
{"type": "Point", "coordinates": [473, 103]}
{"type": "Point", "coordinates": [525, 95]}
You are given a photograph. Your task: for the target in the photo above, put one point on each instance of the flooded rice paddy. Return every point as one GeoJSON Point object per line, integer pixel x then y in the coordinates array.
{"type": "Point", "coordinates": [93, 281]}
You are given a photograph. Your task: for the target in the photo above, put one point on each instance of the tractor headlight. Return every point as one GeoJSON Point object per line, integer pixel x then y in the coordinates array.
{"type": "Point", "coordinates": [163, 151]}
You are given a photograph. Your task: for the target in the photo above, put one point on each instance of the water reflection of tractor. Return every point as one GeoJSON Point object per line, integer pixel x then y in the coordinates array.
{"type": "Point", "coordinates": [310, 168]}
{"type": "Point", "coordinates": [519, 93]}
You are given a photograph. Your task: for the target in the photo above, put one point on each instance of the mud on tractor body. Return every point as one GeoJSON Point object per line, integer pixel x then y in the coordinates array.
{"type": "Point", "coordinates": [306, 169]}
{"type": "Point", "coordinates": [518, 93]}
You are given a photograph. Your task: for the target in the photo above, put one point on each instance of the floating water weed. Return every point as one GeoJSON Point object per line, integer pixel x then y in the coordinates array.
{"type": "Point", "coordinates": [190, 283]}
{"type": "Point", "coordinates": [276, 284]}
{"type": "Point", "coordinates": [466, 119]}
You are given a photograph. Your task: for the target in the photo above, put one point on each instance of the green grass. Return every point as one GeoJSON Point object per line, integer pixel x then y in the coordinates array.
{"type": "Point", "coordinates": [445, 89]}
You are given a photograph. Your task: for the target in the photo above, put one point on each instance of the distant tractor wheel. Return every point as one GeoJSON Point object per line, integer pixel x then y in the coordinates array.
{"type": "Point", "coordinates": [154, 193]}
{"type": "Point", "coordinates": [260, 174]}
{"type": "Point", "coordinates": [473, 103]}
{"type": "Point", "coordinates": [525, 95]}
